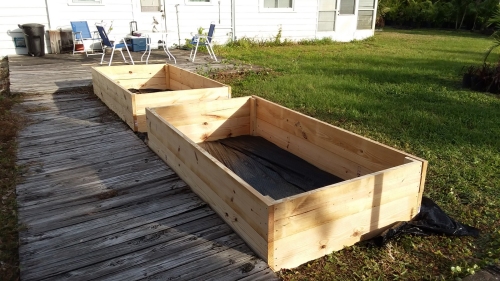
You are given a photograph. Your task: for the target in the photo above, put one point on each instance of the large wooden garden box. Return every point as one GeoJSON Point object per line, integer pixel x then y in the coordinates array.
{"type": "Point", "coordinates": [119, 86]}
{"type": "Point", "coordinates": [380, 186]}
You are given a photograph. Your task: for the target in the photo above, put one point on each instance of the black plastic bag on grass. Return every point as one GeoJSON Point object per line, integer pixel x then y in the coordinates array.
{"type": "Point", "coordinates": [430, 220]}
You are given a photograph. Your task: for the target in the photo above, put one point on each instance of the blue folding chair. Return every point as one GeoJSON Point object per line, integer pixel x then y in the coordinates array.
{"type": "Point", "coordinates": [81, 33]}
{"type": "Point", "coordinates": [107, 43]}
{"type": "Point", "coordinates": [202, 40]}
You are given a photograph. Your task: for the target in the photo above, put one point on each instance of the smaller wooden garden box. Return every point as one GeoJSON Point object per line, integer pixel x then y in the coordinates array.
{"type": "Point", "coordinates": [381, 185]}
{"type": "Point", "coordinates": [114, 86]}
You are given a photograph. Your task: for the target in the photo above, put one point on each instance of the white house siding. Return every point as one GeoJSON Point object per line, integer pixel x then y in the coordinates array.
{"type": "Point", "coordinates": [13, 13]}
{"type": "Point", "coordinates": [253, 22]}
{"type": "Point", "coordinates": [119, 11]}
{"type": "Point", "coordinates": [194, 15]}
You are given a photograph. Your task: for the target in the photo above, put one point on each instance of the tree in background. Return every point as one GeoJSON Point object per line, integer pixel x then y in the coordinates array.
{"type": "Point", "coordinates": [457, 14]}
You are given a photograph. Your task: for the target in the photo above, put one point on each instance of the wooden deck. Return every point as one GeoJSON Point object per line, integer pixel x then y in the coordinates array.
{"type": "Point", "coordinates": [57, 72]}
{"type": "Point", "coordinates": [96, 204]}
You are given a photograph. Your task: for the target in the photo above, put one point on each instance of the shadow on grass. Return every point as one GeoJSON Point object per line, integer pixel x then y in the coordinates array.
{"type": "Point", "coordinates": [438, 32]}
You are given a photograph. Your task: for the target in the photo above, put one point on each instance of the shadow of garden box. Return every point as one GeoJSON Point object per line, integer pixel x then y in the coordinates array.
{"type": "Point", "coordinates": [129, 89]}
{"type": "Point", "coordinates": [380, 185]}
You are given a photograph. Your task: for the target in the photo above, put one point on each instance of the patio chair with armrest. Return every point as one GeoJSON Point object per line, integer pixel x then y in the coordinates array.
{"type": "Point", "coordinates": [108, 44]}
{"type": "Point", "coordinates": [203, 40]}
{"type": "Point", "coordinates": [81, 33]}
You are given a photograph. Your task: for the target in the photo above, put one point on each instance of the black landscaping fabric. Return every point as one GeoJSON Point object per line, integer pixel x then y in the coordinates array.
{"type": "Point", "coordinates": [430, 220]}
{"type": "Point", "coordinates": [268, 168]}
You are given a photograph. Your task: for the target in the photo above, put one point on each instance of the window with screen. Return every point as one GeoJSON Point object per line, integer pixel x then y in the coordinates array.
{"type": "Point", "coordinates": [347, 7]}
{"type": "Point", "coordinates": [150, 5]}
{"type": "Point", "coordinates": [278, 4]}
{"type": "Point", "coordinates": [366, 11]}
{"type": "Point", "coordinates": [327, 12]}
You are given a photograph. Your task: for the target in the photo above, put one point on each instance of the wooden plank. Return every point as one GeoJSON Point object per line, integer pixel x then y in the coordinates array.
{"type": "Point", "coordinates": [177, 204]}
{"type": "Point", "coordinates": [240, 207]}
{"type": "Point", "coordinates": [59, 194]}
{"type": "Point", "coordinates": [253, 116]}
{"type": "Point", "coordinates": [137, 71]}
{"type": "Point", "coordinates": [167, 75]}
{"type": "Point", "coordinates": [176, 86]}
{"type": "Point", "coordinates": [181, 79]}
{"type": "Point", "coordinates": [110, 219]}
{"type": "Point", "coordinates": [182, 250]}
{"type": "Point", "coordinates": [169, 230]}
{"type": "Point", "coordinates": [72, 135]}
{"type": "Point", "coordinates": [228, 258]}
{"type": "Point", "coordinates": [73, 152]}
{"type": "Point", "coordinates": [94, 199]}
{"type": "Point", "coordinates": [246, 269]}
{"type": "Point", "coordinates": [323, 159]}
{"type": "Point", "coordinates": [74, 201]}
{"type": "Point", "coordinates": [266, 275]}
{"type": "Point", "coordinates": [333, 236]}
{"type": "Point", "coordinates": [57, 148]}
{"type": "Point", "coordinates": [146, 83]}
{"type": "Point", "coordinates": [161, 99]}
{"type": "Point", "coordinates": [188, 114]}
{"type": "Point", "coordinates": [84, 169]}
{"type": "Point", "coordinates": [214, 130]}
{"type": "Point", "coordinates": [372, 155]}
{"type": "Point", "coordinates": [44, 167]}
{"type": "Point", "coordinates": [175, 77]}
{"type": "Point", "coordinates": [314, 208]}
{"type": "Point", "coordinates": [58, 218]}
{"type": "Point", "coordinates": [58, 255]}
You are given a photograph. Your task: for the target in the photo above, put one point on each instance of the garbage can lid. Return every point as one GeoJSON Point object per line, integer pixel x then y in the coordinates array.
{"type": "Point", "coordinates": [32, 25]}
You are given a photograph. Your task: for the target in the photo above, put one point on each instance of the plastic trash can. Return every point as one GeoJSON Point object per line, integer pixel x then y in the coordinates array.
{"type": "Point", "coordinates": [34, 35]}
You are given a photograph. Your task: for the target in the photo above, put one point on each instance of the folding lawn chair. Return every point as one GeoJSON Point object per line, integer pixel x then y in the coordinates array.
{"type": "Point", "coordinates": [81, 33]}
{"type": "Point", "coordinates": [202, 40]}
{"type": "Point", "coordinates": [107, 43]}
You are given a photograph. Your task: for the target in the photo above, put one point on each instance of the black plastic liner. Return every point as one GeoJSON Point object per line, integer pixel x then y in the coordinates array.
{"type": "Point", "coordinates": [430, 220]}
{"type": "Point", "coordinates": [268, 168]}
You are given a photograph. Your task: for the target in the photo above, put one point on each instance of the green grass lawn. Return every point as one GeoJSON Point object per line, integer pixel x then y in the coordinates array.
{"type": "Point", "coordinates": [401, 88]}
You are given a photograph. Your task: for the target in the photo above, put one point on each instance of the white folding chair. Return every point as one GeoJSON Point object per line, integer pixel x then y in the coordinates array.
{"type": "Point", "coordinates": [202, 40]}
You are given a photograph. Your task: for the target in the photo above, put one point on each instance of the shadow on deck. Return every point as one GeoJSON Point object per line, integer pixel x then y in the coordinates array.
{"type": "Point", "coordinates": [57, 72]}
{"type": "Point", "coordinates": [97, 204]}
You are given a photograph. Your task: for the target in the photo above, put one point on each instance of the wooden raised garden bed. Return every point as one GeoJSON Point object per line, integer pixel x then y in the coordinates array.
{"type": "Point", "coordinates": [379, 185]}
{"type": "Point", "coordinates": [129, 89]}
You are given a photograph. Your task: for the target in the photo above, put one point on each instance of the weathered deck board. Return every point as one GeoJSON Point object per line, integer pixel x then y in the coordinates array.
{"type": "Point", "coordinates": [62, 71]}
{"type": "Point", "coordinates": [97, 204]}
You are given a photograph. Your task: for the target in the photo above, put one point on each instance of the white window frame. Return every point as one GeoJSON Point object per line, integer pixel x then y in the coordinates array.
{"type": "Point", "coordinates": [336, 15]}
{"type": "Point", "coordinates": [153, 9]}
{"type": "Point", "coordinates": [193, 3]}
{"type": "Point", "coordinates": [374, 15]}
{"type": "Point", "coordinates": [85, 3]}
{"type": "Point", "coordinates": [276, 10]}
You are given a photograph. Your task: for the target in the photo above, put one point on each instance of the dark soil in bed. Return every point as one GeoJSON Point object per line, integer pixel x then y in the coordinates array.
{"type": "Point", "coordinates": [146, 91]}
{"type": "Point", "coordinates": [268, 168]}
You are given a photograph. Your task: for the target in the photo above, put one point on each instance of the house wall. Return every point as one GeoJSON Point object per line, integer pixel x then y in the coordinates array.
{"type": "Point", "coordinates": [13, 13]}
{"type": "Point", "coordinates": [253, 21]}
{"type": "Point", "coordinates": [183, 18]}
{"type": "Point", "coordinates": [192, 16]}
{"type": "Point", "coordinates": [119, 11]}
